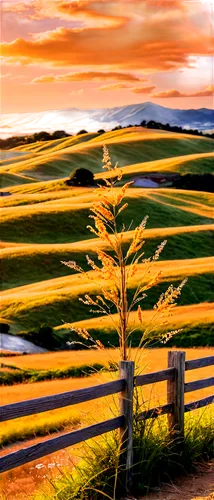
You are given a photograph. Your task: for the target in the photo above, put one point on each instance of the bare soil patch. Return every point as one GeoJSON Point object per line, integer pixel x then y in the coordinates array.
{"type": "Point", "coordinates": [197, 486]}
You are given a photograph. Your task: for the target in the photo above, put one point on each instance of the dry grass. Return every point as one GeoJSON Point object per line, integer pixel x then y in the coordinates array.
{"type": "Point", "coordinates": [76, 284]}
{"type": "Point", "coordinates": [85, 246]}
{"type": "Point", "coordinates": [183, 316]}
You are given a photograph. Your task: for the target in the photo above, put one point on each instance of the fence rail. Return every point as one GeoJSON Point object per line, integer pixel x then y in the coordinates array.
{"type": "Point", "coordinates": [125, 386]}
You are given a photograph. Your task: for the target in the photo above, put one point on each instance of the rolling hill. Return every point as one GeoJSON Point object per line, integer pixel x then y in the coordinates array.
{"type": "Point", "coordinates": [44, 222]}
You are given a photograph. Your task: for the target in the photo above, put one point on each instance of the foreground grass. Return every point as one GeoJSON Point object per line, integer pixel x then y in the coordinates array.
{"type": "Point", "coordinates": [98, 474]}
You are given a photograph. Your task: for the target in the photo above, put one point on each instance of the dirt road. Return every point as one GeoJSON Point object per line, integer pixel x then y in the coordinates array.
{"type": "Point", "coordinates": [198, 486]}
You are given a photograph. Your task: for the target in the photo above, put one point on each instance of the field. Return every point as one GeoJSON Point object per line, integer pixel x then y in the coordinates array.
{"type": "Point", "coordinates": [43, 222]}
{"type": "Point", "coordinates": [29, 476]}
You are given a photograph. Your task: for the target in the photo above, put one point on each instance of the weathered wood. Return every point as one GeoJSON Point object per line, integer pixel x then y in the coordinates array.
{"type": "Point", "coordinates": [175, 395]}
{"type": "Point", "coordinates": [199, 404]}
{"type": "Point", "coordinates": [199, 363]}
{"type": "Point", "coordinates": [39, 405]}
{"type": "Point", "coordinates": [126, 409]}
{"type": "Point", "coordinates": [42, 449]}
{"type": "Point", "coordinates": [198, 384]}
{"type": "Point", "coordinates": [156, 412]}
{"type": "Point", "coordinates": [150, 378]}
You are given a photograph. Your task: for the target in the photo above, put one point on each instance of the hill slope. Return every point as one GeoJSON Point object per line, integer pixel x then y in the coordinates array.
{"type": "Point", "coordinates": [44, 222]}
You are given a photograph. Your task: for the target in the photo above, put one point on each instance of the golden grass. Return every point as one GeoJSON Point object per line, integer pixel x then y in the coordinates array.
{"type": "Point", "coordinates": [166, 165]}
{"type": "Point", "coordinates": [183, 316]}
{"type": "Point", "coordinates": [86, 246]}
{"type": "Point", "coordinates": [77, 284]}
{"type": "Point", "coordinates": [79, 200]}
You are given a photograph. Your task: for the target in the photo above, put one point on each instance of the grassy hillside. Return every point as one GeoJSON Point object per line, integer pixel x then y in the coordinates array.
{"type": "Point", "coordinates": [33, 263]}
{"type": "Point", "coordinates": [8, 180]}
{"type": "Point", "coordinates": [35, 223]}
{"type": "Point", "coordinates": [44, 222]}
{"type": "Point", "coordinates": [131, 148]}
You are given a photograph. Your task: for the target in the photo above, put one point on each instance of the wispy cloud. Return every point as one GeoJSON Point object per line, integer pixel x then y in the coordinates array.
{"type": "Point", "coordinates": [143, 90]}
{"type": "Point", "coordinates": [76, 92]}
{"type": "Point", "coordinates": [6, 75]}
{"type": "Point", "coordinates": [88, 76]}
{"type": "Point", "coordinates": [114, 86]}
{"type": "Point", "coordinates": [208, 91]}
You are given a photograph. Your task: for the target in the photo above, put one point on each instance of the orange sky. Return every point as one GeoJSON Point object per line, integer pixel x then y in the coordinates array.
{"type": "Point", "coordinates": [99, 53]}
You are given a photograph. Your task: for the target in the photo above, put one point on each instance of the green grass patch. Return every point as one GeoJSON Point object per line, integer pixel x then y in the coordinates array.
{"type": "Point", "coordinates": [63, 306]}
{"type": "Point", "coordinates": [20, 376]}
{"type": "Point", "coordinates": [25, 267]}
{"type": "Point", "coordinates": [49, 224]}
{"type": "Point", "coordinates": [8, 180]}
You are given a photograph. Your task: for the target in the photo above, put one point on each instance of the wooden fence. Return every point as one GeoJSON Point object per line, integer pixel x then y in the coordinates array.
{"type": "Point", "coordinates": [125, 386]}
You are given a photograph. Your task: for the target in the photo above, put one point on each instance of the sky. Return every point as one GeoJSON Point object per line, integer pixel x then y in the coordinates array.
{"type": "Point", "coordinates": [59, 54]}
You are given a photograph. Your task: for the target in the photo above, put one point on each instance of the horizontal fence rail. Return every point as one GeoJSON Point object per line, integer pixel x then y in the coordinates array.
{"type": "Point", "coordinates": [199, 404]}
{"type": "Point", "coordinates": [175, 409]}
{"type": "Point", "coordinates": [39, 405]}
{"type": "Point", "coordinates": [156, 412]}
{"type": "Point", "coordinates": [199, 363]}
{"type": "Point", "coordinates": [199, 384]}
{"type": "Point", "coordinates": [153, 377]}
{"type": "Point", "coordinates": [44, 448]}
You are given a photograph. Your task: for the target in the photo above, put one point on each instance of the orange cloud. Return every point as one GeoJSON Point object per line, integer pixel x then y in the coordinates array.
{"type": "Point", "coordinates": [150, 38]}
{"type": "Point", "coordinates": [114, 86]}
{"type": "Point", "coordinates": [143, 90]}
{"type": "Point", "coordinates": [208, 91]}
{"type": "Point", "coordinates": [88, 76]}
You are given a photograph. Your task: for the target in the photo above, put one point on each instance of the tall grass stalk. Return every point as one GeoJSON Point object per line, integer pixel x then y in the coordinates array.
{"type": "Point", "coordinates": [119, 265]}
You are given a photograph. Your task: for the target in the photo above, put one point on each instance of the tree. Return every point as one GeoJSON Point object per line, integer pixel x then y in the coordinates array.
{"type": "Point", "coordinates": [82, 132]}
{"type": "Point", "coordinates": [59, 134]}
{"type": "Point", "coordinates": [81, 177]}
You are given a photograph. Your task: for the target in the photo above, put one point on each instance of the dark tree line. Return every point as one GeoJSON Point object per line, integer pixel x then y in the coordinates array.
{"type": "Point", "coordinates": [152, 124]}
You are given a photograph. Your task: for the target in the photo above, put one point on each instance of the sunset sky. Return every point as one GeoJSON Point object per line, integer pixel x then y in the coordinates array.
{"type": "Point", "coordinates": [102, 53]}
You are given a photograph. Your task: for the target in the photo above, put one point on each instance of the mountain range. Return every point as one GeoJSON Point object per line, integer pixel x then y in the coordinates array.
{"type": "Point", "coordinates": [73, 120]}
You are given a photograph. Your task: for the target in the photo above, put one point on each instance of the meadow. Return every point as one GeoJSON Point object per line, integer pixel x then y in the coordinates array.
{"type": "Point", "coordinates": [44, 222]}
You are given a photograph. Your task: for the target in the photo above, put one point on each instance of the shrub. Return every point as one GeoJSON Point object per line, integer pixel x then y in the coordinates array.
{"type": "Point", "coordinates": [81, 177]}
{"type": "Point", "coordinates": [4, 328]}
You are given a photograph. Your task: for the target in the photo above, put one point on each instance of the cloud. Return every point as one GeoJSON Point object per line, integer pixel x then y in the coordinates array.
{"type": "Point", "coordinates": [6, 75]}
{"type": "Point", "coordinates": [149, 38]}
{"type": "Point", "coordinates": [76, 92]}
{"type": "Point", "coordinates": [143, 90]}
{"type": "Point", "coordinates": [114, 86]}
{"type": "Point", "coordinates": [208, 91]}
{"type": "Point", "coordinates": [88, 76]}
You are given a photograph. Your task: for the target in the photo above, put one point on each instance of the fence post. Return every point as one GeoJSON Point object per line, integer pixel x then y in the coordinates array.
{"type": "Point", "coordinates": [175, 395]}
{"type": "Point", "coordinates": [126, 432]}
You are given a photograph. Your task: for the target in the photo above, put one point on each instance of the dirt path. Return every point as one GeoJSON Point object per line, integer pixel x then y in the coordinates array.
{"type": "Point", "coordinates": [198, 486]}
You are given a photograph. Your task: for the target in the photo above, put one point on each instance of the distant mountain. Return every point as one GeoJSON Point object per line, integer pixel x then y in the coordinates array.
{"type": "Point", "coordinates": [134, 114]}
{"type": "Point", "coordinates": [72, 119]}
